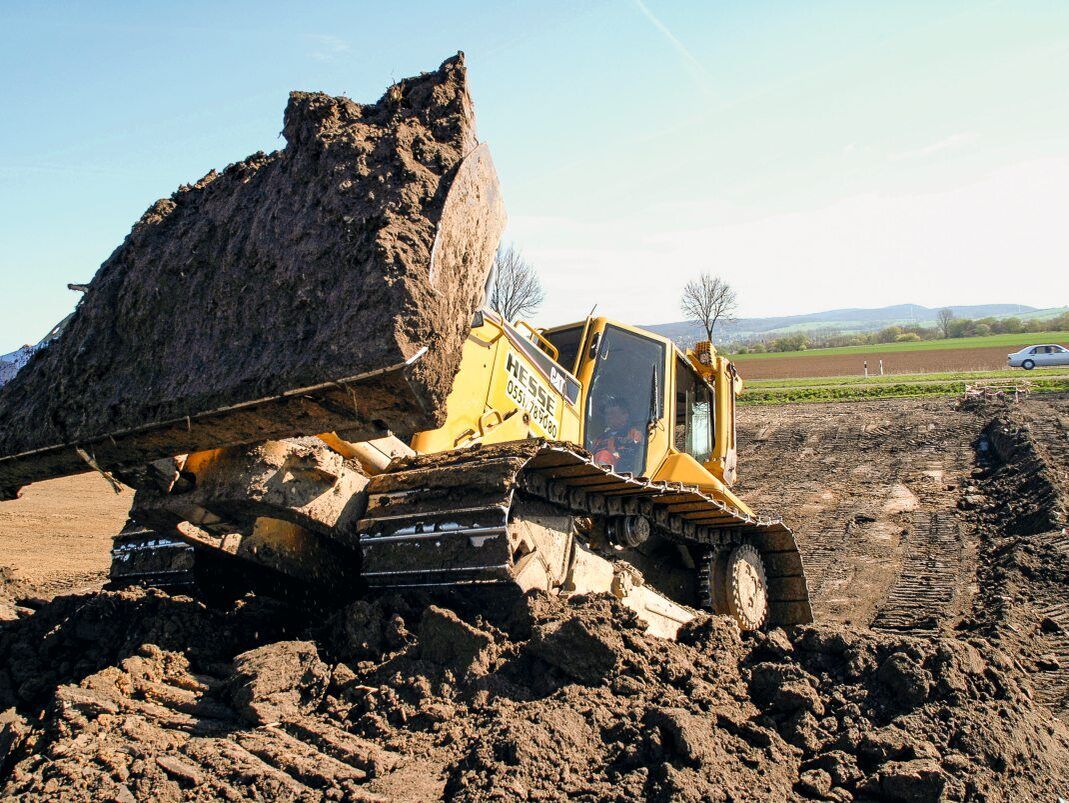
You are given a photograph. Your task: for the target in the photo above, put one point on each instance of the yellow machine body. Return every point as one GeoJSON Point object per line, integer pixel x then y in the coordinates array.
{"type": "Point", "coordinates": [517, 382]}
{"type": "Point", "coordinates": [655, 427]}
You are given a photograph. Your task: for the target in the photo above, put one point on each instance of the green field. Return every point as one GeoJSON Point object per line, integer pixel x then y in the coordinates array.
{"type": "Point", "coordinates": [845, 388]}
{"type": "Point", "coordinates": [990, 341]}
{"type": "Point", "coordinates": [910, 379]}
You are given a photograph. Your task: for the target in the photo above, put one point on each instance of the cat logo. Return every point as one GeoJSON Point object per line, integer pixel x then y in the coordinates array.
{"type": "Point", "coordinates": [556, 378]}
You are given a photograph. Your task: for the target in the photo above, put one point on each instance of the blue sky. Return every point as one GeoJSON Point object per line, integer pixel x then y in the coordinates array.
{"type": "Point", "coordinates": [817, 154]}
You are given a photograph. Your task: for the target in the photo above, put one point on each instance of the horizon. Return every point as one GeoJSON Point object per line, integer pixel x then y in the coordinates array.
{"type": "Point", "coordinates": [1029, 310]}
{"type": "Point", "coordinates": [824, 158]}
{"type": "Point", "coordinates": [728, 326]}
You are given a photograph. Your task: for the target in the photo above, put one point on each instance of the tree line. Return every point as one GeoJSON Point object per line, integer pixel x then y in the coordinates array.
{"type": "Point", "coordinates": [711, 302]}
{"type": "Point", "coordinates": [947, 325]}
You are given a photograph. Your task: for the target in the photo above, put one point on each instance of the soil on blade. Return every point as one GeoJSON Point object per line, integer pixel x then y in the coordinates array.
{"type": "Point", "coordinates": [286, 270]}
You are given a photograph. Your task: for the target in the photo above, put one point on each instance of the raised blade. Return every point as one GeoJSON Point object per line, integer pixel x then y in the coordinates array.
{"type": "Point", "coordinates": [328, 286]}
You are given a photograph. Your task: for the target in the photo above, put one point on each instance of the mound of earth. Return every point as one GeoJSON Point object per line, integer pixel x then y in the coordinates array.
{"type": "Point", "coordinates": [1024, 566]}
{"type": "Point", "coordinates": [139, 695]}
{"type": "Point", "coordinates": [925, 695]}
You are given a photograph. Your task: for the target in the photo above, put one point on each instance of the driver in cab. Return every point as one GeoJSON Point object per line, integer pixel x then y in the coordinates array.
{"type": "Point", "coordinates": [619, 443]}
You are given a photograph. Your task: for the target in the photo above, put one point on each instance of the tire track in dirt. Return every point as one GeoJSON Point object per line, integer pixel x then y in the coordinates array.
{"type": "Point", "coordinates": [1051, 683]}
{"type": "Point", "coordinates": [927, 585]}
{"type": "Point", "coordinates": [939, 558]}
{"type": "Point", "coordinates": [871, 490]}
{"type": "Point", "coordinates": [1027, 580]}
{"type": "Point", "coordinates": [1048, 431]}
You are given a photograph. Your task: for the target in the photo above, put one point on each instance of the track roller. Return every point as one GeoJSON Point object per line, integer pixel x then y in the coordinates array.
{"type": "Point", "coordinates": [734, 584]}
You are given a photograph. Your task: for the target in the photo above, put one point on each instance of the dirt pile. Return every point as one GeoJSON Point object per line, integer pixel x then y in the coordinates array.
{"type": "Point", "coordinates": [360, 243]}
{"type": "Point", "coordinates": [535, 699]}
{"type": "Point", "coordinates": [141, 695]}
{"type": "Point", "coordinates": [1019, 497]}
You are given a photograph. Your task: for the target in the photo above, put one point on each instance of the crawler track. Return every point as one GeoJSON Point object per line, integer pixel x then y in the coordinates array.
{"type": "Point", "coordinates": [440, 520]}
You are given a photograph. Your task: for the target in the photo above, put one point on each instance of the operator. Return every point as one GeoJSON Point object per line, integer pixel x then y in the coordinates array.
{"type": "Point", "coordinates": [619, 443]}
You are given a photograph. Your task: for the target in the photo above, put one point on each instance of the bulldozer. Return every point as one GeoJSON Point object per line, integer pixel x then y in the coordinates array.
{"type": "Point", "coordinates": [594, 457]}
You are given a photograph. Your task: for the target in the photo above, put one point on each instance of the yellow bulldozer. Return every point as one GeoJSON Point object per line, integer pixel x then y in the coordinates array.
{"type": "Point", "coordinates": [393, 433]}
{"type": "Point", "coordinates": [592, 457]}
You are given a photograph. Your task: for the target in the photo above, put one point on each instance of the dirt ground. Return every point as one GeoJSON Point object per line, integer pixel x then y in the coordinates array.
{"type": "Point", "coordinates": [937, 670]}
{"type": "Point", "coordinates": [56, 537]}
{"type": "Point", "coordinates": [870, 490]}
{"type": "Point", "coordinates": [804, 364]}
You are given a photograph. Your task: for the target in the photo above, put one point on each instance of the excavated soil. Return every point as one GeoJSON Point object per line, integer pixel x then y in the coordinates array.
{"type": "Point", "coordinates": [307, 265]}
{"type": "Point", "coordinates": [871, 491]}
{"type": "Point", "coordinates": [936, 542]}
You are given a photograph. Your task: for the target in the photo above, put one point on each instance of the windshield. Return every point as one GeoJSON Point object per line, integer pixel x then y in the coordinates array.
{"type": "Point", "coordinates": [625, 397]}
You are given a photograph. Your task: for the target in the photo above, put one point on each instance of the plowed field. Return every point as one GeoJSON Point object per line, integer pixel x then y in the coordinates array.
{"type": "Point", "coordinates": [805, 364]}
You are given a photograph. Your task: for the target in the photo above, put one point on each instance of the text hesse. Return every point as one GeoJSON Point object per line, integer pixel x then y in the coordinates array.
{"type": "Point", "coordinates": [526, 390]}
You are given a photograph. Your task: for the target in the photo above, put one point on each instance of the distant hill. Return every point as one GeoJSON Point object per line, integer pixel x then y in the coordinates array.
{"type": "Point", "coordinates": [847, 321]}
{"type": "Point", "coordinates": [11, 364]}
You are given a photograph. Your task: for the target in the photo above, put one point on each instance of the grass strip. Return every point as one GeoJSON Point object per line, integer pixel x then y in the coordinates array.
{"type": "Point", "coordinates": [901, 390]}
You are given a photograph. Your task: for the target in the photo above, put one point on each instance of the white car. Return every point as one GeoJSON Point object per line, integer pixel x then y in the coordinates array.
{"type": "Point", "coordinates": [1031, 356]}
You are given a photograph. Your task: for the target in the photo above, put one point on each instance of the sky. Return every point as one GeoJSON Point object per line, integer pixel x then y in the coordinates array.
{"type": "Point", "coordinates": [816, 155]}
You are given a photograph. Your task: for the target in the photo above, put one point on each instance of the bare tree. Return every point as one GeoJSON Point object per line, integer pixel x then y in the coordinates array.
{"type": "Point", "coordinates": [708, 301]}
{"type": "Point", "coordinates": [945, 319]}
{"type": "Point", "coordinates": [515, 291]}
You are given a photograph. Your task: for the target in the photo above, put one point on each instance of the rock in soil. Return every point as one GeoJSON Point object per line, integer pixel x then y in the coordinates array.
{"type": "Point", "coordinates": [277, 682]}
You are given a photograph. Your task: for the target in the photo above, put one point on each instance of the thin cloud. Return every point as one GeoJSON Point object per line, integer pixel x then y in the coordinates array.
{"type": "Point", "coordinates": [325, 47]}
{"type": "Point", "coordinates": [944, 144]}
{"type": "Point", "coordinates": [696, 67]}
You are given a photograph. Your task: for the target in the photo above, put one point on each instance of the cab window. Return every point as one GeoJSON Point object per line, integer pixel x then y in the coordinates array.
{"type": "Point", "coordinates": [624, 398]}
{"type": "Point", "coordinates": [694, 414]}
{"type": "Point", "coordinates": [567, 344]}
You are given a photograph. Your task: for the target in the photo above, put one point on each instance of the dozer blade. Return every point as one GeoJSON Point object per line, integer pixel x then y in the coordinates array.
{"type": "Point", "coordinates": [249, 518]}
{"type": "Point", "coordinates": [326, 287]}
{"type": "Point", "coordinates": [452, 519]}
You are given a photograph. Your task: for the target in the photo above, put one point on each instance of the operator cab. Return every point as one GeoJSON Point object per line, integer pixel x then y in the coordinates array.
{"type": "Point", "coordinates": [630, 377]}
